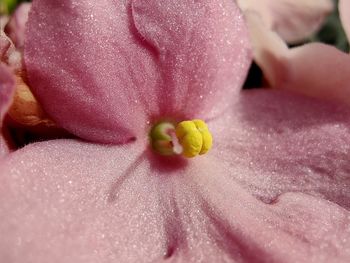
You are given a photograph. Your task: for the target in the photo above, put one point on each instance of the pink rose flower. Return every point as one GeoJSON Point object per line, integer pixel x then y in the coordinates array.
{"type": "Point", "coordinates": [274, 187]}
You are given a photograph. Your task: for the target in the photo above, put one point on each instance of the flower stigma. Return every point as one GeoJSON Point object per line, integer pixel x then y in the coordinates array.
{"type": "Point", "coordinates": [187, 138]}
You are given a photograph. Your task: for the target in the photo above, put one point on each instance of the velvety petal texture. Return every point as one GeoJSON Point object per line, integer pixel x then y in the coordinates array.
{"type": "Point", "coordinates": [293, 20]}
{"type": "Point", "coordinates": [315, 69]}
{"type": "Point", "coordinates": [116, 64]}
{"type": "Point", "coordinates": [88, 203]}
{"type": "Point", "coordinates": [16, 26]}
{"type": "Point", "coordinates": [285, 142]}
{"type": "Point", "coordinates": [4, 149]}
{"type": "Point", "coordinates": [7, 87]}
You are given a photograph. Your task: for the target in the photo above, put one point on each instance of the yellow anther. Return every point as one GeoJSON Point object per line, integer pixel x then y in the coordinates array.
{"type": "Point", "coordinates": [194, 137]}
{"type": "Point", "coordinates": [206, 136]}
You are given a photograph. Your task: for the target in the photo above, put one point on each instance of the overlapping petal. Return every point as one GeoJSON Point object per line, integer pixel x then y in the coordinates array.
{"type": "Point", "coordinates": [5, 42]}
{"type": "Point", "coordinates": [16, 26]}
{"type": "Point", "coordinates": [315, 69]}
{"type": "Point", "coordinates": [293, 20]}
{"type": "Point", "coordinates": [116, 64]}
{"type": "Point", "coordinates": [294, 228]}
{"type": "Point", "coordinates": [87, 202]}
{"type": "Point", "coordinates": [8, 53]}
{"type": "Point", "coordinates": [7, 87]}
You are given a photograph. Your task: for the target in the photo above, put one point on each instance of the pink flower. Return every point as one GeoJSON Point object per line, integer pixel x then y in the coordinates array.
{"type": "Point", "coordinates": [293, 20]}
{"type": "Point", "coordinates": [274, 188]}
{"type": "Point", "coordinates": [315, 69]}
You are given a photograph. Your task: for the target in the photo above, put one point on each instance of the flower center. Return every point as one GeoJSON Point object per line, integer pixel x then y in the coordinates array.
{"type": "Point", "coordinates": [188, 138]}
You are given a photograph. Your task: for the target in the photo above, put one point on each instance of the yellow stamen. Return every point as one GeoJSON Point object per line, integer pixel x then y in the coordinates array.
{"type": "Point", "coordinates": [194, 137]}
{"type": "Point", "coordinates": [206, 136]}
{"type": "Point", "coordinates": [189, 138]}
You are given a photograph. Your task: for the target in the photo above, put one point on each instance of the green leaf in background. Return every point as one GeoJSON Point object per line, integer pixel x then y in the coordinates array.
{"type": "Point", "coordinates": [8, 6]}
{"type": "Point", "coordinates": [332, 32]}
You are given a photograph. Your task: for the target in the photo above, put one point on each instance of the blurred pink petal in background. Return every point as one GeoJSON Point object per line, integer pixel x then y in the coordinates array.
{"type": "Point", "coordinates": [344, 13]}
{"type": "Point", "coordinates": [15, 28]}
{"type": "Point", "coordinates": [314, 69]}
{"type": "Point", "coordinates": [293, 20]}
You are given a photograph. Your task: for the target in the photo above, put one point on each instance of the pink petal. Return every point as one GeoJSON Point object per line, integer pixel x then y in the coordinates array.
{"type": "Point", "coordinates": [8, 52]}
{"type": "Point", "coordinates": [16, 26]}
{"type": "Point", "coordinates": [294, 228]}
{"type": "Point", "coordinates": [91, 203]}
{"type": "Point", "coordinates": [4, 149]}
{"type": "Point", "coordinates": [202, 49]}
{"type": "Point", "coordinates": [69, 201]}
{"type": "Point", "coordinates": [344, 13]}
{"type": "Point", "coordinates": [267, 46]}
{"type": "Point", "coordinates": [318, 70]}
{"type": "Point", "coordinates": [7, 87]}
{"type": "Point", "coordinates": [315, 69]}
{"type": "Point", "coordinates": [117, 64]}
{"type": "Point", "coordinates": [5, 42]}
{"type": "Point", "coordinates": [293, 20]}
{"type": "Point", "coordinates": [278, 142]}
